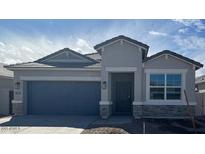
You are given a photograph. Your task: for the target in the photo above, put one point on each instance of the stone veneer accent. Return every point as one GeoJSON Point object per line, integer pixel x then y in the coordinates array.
{"type": "Point", "coordinates": [105, 111]}
{"type": "Point", "coordinates": [162, 111]}
{"type": "Point", "coordinates": [17, 108]}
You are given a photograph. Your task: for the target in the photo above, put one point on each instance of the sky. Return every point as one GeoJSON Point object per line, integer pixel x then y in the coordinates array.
{"type": "Point", "coordinates": [29, 40]}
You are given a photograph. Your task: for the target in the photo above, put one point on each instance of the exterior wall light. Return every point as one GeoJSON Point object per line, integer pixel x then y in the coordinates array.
{"type": "Point", "coordinates": [104, 85]}
{"type": "Point", "coordinates": [17, 85]}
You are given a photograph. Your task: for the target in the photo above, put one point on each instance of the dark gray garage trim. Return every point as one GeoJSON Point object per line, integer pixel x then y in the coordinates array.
{"type": "Point", "coordinates": [63, 97]}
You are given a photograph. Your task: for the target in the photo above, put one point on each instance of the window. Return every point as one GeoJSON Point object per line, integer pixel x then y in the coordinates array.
{"type": "Point", "coordinates": [157, 82]}
{"type": "Point", "coordinates": [165, 86]}
{"type": "Point", "coordinates": [173, 87]}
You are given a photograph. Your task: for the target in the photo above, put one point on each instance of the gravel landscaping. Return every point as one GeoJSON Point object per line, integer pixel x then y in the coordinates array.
{"type": "Point", "coordinates": [126, 128]}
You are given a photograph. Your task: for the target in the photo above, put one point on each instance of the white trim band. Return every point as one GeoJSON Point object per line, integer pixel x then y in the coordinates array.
{"type": "Point", "coordinates": [16, 101]}
{"type": "Point", "coordinates": [201, 91]}
{"type": "Point", "coordinates": [164, 117]}
{"type": "Point", "coordinates": [105, 103]}
{"type": "Point", "coordinates": [163, 103]}
{"type": "Point", "coordinates": [121, 69]}
{"type": "Point", "coordinates": [53, 69]}
{"type": "Point", "coordinates": [137, 103]}
{"type": "Point", "coordinates": [58, 78]}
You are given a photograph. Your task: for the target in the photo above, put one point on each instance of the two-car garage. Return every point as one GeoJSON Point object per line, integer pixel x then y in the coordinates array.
{"type": "Point", "coordinates": [63, 97]}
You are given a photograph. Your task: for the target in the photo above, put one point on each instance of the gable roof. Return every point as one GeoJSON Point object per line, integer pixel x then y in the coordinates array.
{"type": "Point", "coordinates": [119, 38]}
{"type": "Point", "coordinates": [94, 55]}
{"type": "Point", "coordinates": [62, 51]}
{"type": "Point", "coordinates": [35, 65]}
{"type": "Point", "coordinates": [43, 63]}
{"type": "Point", "coordinates": [199, 65]}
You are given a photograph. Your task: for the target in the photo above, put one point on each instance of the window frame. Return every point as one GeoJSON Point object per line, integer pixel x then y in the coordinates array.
{"type": "Point", "coordinates": [165, 86]}
{"type": "Point", "coordinates": [150, 86]}
{"type": "Point", "coordinates": [164, 101]}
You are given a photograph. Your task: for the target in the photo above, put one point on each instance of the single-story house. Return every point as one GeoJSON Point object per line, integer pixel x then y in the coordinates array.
{"type": "Point", "coordinates": [119, 79]}
{"type": "Point", "coordinates": [6, 90]}
{"type": "Point", "coordinates": [200, 90]}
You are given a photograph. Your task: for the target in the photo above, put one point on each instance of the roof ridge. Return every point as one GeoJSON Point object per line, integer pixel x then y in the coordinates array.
{"type": "Point", "coordinates": [61, 51]}
{"type": "Point", "coordinates": [17, 64]}
{"type": "Point", "coordinates": [121, 37]}
{"type": "Point", "coordinates": [174, 54]}
{"type": "Point", "coordinates": [91, 53]}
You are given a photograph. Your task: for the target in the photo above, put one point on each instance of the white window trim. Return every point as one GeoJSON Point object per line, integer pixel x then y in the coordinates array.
{"type": "Point", "coordinates": [58, 78]}
{"type": "Point", "coordinates": [166, 103]}
{"type": "Point", "coordinates": [184, 71]}
{"type": "Point", "coordinates": [165, 71]}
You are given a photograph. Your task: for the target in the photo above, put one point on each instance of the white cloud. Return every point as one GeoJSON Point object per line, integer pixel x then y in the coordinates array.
{"type": "Point", "coordinates": [23, 49]}
{"type": "Point", "coordinates": [194, 48]}
{"type": "Point", "coordinates": [83, 46]}
{"type": "Point", "coordinates": [11, 61]}
{"type": "Point", "coordinates": [27, 49]}
{"type": "Point", "coordinates": [195, 23]}
{"type": "Point", "coordinates": [2, 44]}
{"type": "Point", "coordinates": [183, 30]}
{"type": "Point", "coordinates": [191, 42]}
{"type": "Point", "coordinates": [155, 33]}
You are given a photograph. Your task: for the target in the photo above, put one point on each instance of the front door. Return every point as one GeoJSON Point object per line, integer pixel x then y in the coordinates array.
{"type": "Point", "coordinates": [124, 97]}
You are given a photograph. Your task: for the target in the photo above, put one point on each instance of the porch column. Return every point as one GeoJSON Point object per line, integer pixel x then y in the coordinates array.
{"type": "Point", "coordinates": [137, 104]}
{"type": "Point", "coordinates": [17, 102]}
{"type": "Point", "coordinates": [105, 103]}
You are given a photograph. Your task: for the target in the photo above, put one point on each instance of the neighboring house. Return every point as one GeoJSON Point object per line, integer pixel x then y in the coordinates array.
{"type": "Point", "coordinates": [120, 79]}
{"type": "Point", "coordinates": [200, 90]}
{"type": "Point", "coordinates": [6, 88]}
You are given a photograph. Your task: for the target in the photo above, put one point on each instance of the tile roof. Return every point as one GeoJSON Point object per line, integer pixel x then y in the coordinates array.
{"type": "Point", "coordinates": [40, 64]}
{"type": "Point", "coordinates": [94, 55]}
{"type": "Point", "coordinates": [121, 37]}
{"type": "Point", "coordinates": [199, 65]}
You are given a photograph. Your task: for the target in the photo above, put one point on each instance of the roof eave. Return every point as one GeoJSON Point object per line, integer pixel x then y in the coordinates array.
{"type": "Point", "coordinates": [54, 68]}
{"type": "Point", "coordinates": [196, 64]}
{"type": "Point", "coordinates": [120, 37]}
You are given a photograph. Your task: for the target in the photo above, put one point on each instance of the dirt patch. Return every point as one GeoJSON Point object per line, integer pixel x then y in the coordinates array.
{"type": "Point", "coordinates": [173, 126]}
{"type": "Point", "coordinates": [148, 126]}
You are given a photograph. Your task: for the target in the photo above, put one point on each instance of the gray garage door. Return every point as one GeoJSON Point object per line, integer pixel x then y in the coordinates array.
{"type": "Point", "coordinates": [63, 98]}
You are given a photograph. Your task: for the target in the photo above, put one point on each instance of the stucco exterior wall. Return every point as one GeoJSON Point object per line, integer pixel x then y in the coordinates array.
{"type": "Point", "coordinates": [172, 63]}
{"type": "Point", "coordinates": [6, 85]}
{"type": "Point", "coordinates": [122, 55]}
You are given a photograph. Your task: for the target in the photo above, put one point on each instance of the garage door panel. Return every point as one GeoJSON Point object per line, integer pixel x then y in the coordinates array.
{"type": "Point", "coordinates": [74, 98]}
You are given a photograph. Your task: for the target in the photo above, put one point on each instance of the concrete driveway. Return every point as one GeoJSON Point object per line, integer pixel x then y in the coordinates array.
{"type": "Point", "coordinates": [31, 124]}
